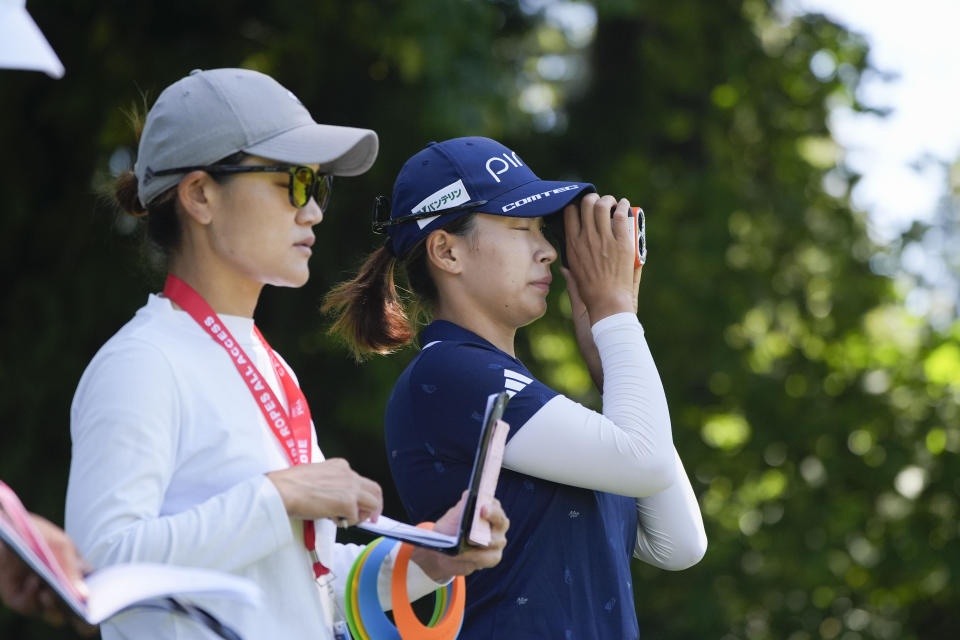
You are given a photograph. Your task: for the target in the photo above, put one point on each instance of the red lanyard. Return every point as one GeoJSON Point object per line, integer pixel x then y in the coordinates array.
{"type": "Point", "coordinates": [292, 429]}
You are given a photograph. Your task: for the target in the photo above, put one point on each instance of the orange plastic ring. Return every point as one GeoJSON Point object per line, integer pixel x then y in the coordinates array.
{"type": "Point", "coordinates": [409, 626]}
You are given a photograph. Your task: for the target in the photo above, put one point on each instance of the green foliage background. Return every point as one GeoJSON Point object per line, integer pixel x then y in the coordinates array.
{"type": "Point", "coordinates": [818, 420]}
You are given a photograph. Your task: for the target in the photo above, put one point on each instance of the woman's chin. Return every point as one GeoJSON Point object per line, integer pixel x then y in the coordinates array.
{"type": "Point", "coordinates": [290, 280]}
{"type": "Point", "coordinates": [534, 315]}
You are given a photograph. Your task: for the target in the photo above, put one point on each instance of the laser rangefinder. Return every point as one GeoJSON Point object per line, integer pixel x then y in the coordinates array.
{"type": "Point", "coordinates": [556, 229]}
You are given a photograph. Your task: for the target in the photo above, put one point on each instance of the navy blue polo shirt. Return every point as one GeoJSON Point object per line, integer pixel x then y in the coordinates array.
{"type": "Point", "coordinates": [565, 572]}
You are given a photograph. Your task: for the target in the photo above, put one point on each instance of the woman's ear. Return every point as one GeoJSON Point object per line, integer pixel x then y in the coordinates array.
{"type": "Point", "coordinates": [443, 251]}
{"type": "Point", "coordinates": [193, 192]}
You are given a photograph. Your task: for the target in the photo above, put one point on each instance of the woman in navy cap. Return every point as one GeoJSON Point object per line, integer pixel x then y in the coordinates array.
{"type": "Point", "coordinates": [192, 441]}
{"type": "Point", "coordinates": [585, 491]}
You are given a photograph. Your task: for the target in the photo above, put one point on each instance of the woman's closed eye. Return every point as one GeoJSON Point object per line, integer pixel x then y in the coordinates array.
{"type": "Point", "coordinates": [529, 226]}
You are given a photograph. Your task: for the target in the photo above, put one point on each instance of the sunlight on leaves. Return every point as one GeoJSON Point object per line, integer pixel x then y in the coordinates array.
{"type": "Point", "coordinates": [726, 431]}
{"type": "Point", "coordinates": [820, 152]}
{"type": "Point", "coordinates": [767, 486]}
{"type": "Point", "coordinates": [942, 366]}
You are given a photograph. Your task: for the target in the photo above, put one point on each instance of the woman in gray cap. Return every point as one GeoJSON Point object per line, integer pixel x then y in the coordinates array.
{"type": "Point", "coordinates": [192, 442]}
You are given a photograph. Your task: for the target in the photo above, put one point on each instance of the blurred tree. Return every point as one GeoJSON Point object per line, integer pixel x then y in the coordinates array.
{"type": "Point", "coordinates": [929, 262]}
{"type": "Point", "coordinates": [818, 417]}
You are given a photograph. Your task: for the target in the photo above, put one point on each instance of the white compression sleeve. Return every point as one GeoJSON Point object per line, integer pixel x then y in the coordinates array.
{"type": "Point", "coordinates": [628, 450]}
{"type": "Point", "coordinates": [670, 532]}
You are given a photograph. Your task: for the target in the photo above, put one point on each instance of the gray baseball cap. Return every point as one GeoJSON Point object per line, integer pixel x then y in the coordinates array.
{"type": "Point", "coordinates": [209, 115]}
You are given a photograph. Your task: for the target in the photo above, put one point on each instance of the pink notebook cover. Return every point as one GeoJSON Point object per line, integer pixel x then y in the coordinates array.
{"type": "Point", "coordinates": [480, 530]}
{"type": "Point", "coordinates": [16, 521]}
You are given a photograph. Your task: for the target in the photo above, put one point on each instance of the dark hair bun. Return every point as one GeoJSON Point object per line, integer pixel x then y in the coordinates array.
{"type": "Point", "coordinates": [125, 190]}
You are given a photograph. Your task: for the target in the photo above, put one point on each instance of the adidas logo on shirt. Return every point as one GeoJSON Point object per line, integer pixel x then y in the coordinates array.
{"type": "Point", "coordinates": [514, 382]}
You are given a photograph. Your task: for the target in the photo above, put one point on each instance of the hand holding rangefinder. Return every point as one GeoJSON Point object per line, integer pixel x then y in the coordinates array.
{"type": "Point", "coordinates": [557, 229]}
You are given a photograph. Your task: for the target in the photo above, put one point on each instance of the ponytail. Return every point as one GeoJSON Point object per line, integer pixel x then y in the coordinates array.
{"type": "Point", "coordinates": [163, 229]}
{"type": "Point", "coordinates": [369, 315]}
{"type": "Point", "coordinates": [125, 192]}
{"type": "Point", "coordinates": [160, 216]}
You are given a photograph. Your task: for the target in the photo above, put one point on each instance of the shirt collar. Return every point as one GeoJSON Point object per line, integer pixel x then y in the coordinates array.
{"type": "Point", "coordinates": [446, 330]}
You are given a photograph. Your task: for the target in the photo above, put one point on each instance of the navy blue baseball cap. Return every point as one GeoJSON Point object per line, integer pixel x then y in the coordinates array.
{"type": "Point", "coordinates": [455, 177]}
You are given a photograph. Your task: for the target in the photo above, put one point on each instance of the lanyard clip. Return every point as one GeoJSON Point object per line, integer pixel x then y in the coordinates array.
{"type": "Point", "coordinates": [322, 574]}
{"type": "Point", "coordinates": [341, 631]}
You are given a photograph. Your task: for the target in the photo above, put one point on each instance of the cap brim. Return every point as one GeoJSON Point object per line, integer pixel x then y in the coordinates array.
{"type": "Point", "coordinates": [341, 151]}
{"type": "Point", "coordinates": [22, 45]}
{"type": "Point", "coordinates": [535, 199]}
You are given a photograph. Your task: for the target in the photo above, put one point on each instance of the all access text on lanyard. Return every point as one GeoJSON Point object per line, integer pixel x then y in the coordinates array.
{"type": "Point", "coordinates": [292, 429]}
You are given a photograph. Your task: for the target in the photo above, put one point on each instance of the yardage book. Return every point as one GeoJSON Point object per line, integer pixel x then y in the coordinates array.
{"type": "Point", "coordinates": [483, 484]}
{"type": "Point", "coordinates": [123, 586]}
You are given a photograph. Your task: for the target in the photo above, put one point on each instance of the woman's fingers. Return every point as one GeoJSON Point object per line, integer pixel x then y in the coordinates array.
{"type": "Point", "coordinates": [24, 598]}
{"type": "Point", "coordinates": [328, 489]}
{"type": "Point", "coordinates": [447, 523]}
{"type": "Point", "coordinates": [12, 573]}
{"type": "Point", "coordinates": [601, 256]}
{"type": "Point", "coordinates": [361, 497]}
{"type": "Point", "coordinates": [588, 222]}
{"type": "Point", "coordinates": [369, 500]}
{"type": "Point", "coordinates": [476, 558]}
{"type": "Point", "coordinates": [441, 567]}
{"type": "Point", "coordinates": [571, 219]}
{"type": "Point", "coordinates": [576, 301]}
{"type": "Point", "coordinates": [601, 213]}
{"type": "Point", "coordinates": [50, 608]}
{"type": "Point", "coordinates": [493, 513]}
{"type": "Point", "coordinates": [622, 226]}
{"type": "Point", "coordinates": [605, 233]}
{"type": "Point", "coordinates": [64, 550]}
{"type": "Point", "coordinates": [24, 591]}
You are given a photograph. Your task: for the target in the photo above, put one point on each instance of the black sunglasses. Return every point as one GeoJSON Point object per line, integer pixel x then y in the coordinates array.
{"type": "Point", "coordinates": [305, 183]}
{"type": "Point", "coordinates": [381, 213]}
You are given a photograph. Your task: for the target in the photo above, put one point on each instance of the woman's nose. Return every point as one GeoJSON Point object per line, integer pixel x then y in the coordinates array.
{"type": "Point", "coordinates": [310, 213]}
{"type": "Point", "coordinates": [548, 252]}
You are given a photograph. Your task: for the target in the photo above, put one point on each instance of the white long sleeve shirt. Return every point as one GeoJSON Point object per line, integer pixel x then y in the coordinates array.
{"type": "Point", "coordinates": [168, 464]}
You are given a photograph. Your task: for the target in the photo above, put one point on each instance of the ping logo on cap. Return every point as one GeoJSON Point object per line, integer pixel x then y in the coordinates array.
{"type": "Point", "coordinates": [503, 165]}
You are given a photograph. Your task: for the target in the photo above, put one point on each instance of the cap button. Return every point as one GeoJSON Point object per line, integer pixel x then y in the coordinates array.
{"type": "Point", "coordinates": [196, 71]}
